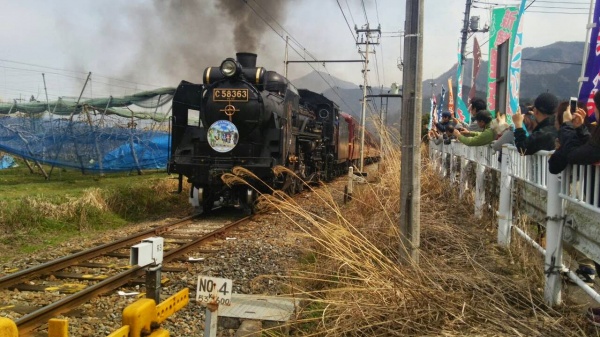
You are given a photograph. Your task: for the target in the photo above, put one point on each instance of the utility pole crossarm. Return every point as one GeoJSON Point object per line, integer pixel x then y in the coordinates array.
{"type": "Point", "coordinates": [385, 95]}
{"type": "Point", "coordinates": [325, 61]}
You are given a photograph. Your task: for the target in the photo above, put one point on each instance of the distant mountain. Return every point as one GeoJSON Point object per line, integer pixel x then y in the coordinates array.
{"type": "Point", "coordinates": [319, 82]}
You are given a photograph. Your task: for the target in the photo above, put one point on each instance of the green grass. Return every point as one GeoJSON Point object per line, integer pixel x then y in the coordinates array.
{"type": "Point", "coordinates": [36, 213]}
{"type": "Point", "coordinates": [20, 182]}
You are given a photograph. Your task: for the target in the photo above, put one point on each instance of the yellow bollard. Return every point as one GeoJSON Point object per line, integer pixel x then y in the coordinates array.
{"type": "Point", "coordinates": [8, 328]}
{"type": "Point", "coordinates": [172, 304]}
{"type": "Point", "coordinates": [139, 316]}
{"type": "Point", "coordinates": [121, 332]}
{"type": "Point", "coordinates": [58, 327]}
{"type": "Point", "coordinates": [160, 333]}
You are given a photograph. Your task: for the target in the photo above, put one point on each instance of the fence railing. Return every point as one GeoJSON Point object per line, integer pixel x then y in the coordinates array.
{"type": "Point", "coordinates": [569, 202]}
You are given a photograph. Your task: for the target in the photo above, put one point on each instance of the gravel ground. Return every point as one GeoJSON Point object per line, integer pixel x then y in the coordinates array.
{"type": "Point", "coordinates": [269, 246]}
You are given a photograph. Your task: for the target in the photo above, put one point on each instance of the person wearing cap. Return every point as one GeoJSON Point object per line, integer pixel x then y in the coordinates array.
{"type": "Point", "coordinates": [475, 104]}
{"type": "Point", "coordinates": [443, 128]}
{"type": "Point", "coordinates": [445, 122]}
{"type": "Point", "coordinates": [543, 136]}
{"type": "Point", "coordinates": [474, 138]}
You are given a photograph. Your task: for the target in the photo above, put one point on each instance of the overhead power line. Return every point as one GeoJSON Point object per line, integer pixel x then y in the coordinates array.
{"type": "Point", "coordinates": [557, 62]}
{"type": "Point", "coordinates": [346, 19]}
{"type": "Point", "coordinates": [296, 50]}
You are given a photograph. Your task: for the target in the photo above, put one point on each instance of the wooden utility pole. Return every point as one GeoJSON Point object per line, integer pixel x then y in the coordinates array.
{"type": "Point", "coordinates": [410, 175]}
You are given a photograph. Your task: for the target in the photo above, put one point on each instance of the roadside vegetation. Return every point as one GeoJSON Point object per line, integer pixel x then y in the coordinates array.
{"type": "Point", "coordinates": [354, 283]}
{"type": "Point", "coordinates": [36, 213]}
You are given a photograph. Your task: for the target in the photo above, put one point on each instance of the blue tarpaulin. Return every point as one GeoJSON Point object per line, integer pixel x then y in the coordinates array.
{"type": "Point", "coordinates": [153, 154]}
{"type": "Point", "coordinates": [7, 161]}
{"type": "Point", "coordinates": [95, 135]}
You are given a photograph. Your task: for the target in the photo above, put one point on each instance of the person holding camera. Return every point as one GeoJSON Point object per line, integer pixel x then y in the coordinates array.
{"type": "Point", "coordinates": [445, 122]}
{"type": "Point", "coordinates": [483, 119]}
{"type": "Point", "coordinates": [575, 144]}
{"type": "Point", "coordinates": [571, 131]}
{"type": "Point", "coordinates": [543, 134]}
{"type": "Point", "coordinates": [435, 136]}
{"type": "Point", "coordinates": [443, 129]}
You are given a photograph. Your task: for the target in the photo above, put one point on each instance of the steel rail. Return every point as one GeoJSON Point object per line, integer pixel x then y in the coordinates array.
{"type": "Point", "coordinates": [69, 260]}
{"type": "Point", "coordinates": [33, 320]}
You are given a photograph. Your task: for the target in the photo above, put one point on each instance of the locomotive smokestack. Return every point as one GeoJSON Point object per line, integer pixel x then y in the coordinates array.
{"type": "Point", "coordinates": [247, 60]}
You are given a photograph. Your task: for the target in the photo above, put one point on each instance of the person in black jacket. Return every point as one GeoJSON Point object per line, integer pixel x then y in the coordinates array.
{"type": "Point", "coordinates": [445, 127]}
{"type": "Point", "coordinates": [543, 136]}
{"type": "Point", "coordinates": [574, 145]}
{"type": "Point", "coordinates": [577, 146]}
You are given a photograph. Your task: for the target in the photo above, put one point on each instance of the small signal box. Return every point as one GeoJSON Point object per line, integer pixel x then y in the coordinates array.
{"type": "Point", "coordinates": [148, 252]}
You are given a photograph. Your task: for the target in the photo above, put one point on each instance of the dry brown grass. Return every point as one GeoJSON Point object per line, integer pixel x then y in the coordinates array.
{"type": "Point", "coordinates": [91, 198]}
{"type": "Point", "coordinates": [464, 284]}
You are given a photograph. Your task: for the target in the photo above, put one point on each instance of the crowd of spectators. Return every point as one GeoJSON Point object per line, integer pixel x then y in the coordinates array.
{"type": "Point", "coordinates": [546, 125]}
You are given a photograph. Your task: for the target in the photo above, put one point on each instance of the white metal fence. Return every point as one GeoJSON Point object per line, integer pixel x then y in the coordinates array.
{"type": "Point", "coordinates": [571, 202]}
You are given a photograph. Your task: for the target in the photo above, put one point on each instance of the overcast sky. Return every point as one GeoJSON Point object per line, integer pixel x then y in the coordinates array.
{"type": "Point", "coordinates": [133, 45]}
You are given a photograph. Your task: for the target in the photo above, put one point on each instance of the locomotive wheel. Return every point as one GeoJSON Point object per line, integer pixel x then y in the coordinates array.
{"type": "Point", "coordinates": [208, 201]}
{"type": "Point", "coordinates": [300, 185]}
{"type": "Point", "coordinates": [207, 205]}
{"type": "Point", "coordinates": [248, 204]}
{"type": "Point", "coordinates": [296, 186]}
{"type": "Point", "coordinates": [293, 188]}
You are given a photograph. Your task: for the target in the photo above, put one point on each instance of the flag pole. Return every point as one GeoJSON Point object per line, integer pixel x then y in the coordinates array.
{"type": "Point", "coordinates": [586, 47]}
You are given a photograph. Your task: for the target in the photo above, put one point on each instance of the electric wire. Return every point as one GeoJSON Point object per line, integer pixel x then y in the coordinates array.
{"type": "Point", "coordinates": [347, 23]}
{"type": "Point", "coordinates": [350, 12]}
{"type": "Point", "coordinates": [75, 72]}
{"type": "Point", "coordinates": [299, 54]}
{"type": "Point", "coordinates": [365, 11]}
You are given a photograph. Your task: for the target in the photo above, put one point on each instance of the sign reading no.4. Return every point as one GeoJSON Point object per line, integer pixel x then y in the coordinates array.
{"type": "Point", "coordinates": [213, 289]}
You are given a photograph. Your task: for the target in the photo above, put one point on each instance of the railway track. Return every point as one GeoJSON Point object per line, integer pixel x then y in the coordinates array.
{"type": "Point", "coordinates": [73, 280]}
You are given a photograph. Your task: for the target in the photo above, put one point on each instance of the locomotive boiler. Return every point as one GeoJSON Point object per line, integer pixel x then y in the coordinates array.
{"type": "Point", "coordinates": [244, 115]}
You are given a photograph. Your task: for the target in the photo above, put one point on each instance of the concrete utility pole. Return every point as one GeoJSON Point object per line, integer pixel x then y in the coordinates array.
{"type": "Point", "coordinates": [366, 40]}
{"type": "Point", "coordinates": [410, 175]}
{"type": "Point", "coordinates": [470, 25]}
{"type": "Point", "coordinates": [465, 31]}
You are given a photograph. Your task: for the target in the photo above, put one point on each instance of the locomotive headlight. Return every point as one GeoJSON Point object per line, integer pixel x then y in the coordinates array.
{"type": "Point", "coordinates": [229, 67]}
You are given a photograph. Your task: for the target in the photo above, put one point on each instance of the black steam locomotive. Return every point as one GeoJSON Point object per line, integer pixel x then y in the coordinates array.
{"type": "Point", "coordinates": [243, 115]}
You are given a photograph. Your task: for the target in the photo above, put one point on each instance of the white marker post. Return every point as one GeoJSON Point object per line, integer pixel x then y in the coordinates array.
{"type": "Point", "coordinates": [350, 186]}
{"type": "Point", "coordinates": [149, 253]}
{"type": "Point", "coordinates": [213, 291]}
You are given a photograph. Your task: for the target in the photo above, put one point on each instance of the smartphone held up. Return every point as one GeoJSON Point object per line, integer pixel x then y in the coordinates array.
{"type": "Point", "coordinates": [573, 104]}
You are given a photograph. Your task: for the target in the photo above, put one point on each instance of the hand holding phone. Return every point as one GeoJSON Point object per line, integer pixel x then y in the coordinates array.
{"type": "Point", "coordinates": [573, 104]}
{"type": "Point", "coordinates": [579, 118]}
{"type": "Point", "coordinates": [567, 115]}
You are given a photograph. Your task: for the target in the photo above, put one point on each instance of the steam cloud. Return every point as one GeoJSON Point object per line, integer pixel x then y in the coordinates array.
{"type": "Point", "coordinates": [179, 38]}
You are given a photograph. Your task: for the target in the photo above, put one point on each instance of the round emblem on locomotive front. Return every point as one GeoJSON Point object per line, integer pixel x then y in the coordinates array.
{"type": "Point", "coordinates": [230, 110]}
{"type": "Point", "coordinates": [223, 136]}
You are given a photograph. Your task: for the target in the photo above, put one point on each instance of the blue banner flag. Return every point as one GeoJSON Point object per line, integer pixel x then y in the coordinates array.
{"type": "Point", "coordinates": [441, 104]}
{"type": "Point", "coordinates": [592, 67]}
